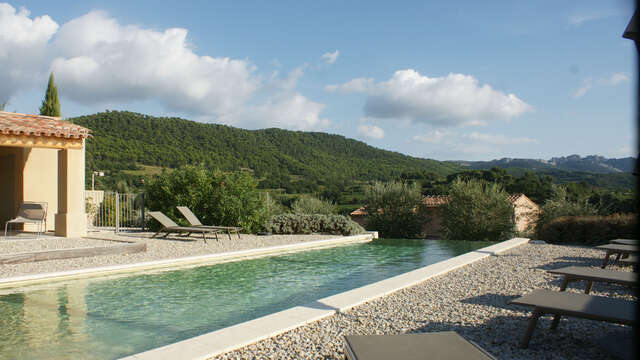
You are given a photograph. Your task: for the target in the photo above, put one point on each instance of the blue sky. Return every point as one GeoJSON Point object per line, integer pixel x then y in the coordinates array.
{"type": "Point", "coordinates": [444, 80]}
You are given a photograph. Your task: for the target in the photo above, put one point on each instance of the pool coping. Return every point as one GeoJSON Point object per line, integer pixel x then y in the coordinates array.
{"type": "Point", "coordinates": [170, 264]}
{"type": "Point", "coordinates": [233, 337]}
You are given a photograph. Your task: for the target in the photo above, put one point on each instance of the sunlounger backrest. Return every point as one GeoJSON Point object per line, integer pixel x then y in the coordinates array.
{"type": "Point", "coordinates": [189, 215]}
{"type": "Point", "coordinates": [162, 219]}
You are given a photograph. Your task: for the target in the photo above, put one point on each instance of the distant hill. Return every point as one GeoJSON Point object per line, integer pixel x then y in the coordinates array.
{"type": "Point", "coordinates": [125, 140]}
{"type": "Point", "coordinates": [589, 164]}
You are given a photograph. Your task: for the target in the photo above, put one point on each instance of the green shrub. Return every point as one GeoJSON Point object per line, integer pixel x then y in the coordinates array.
{"type": "Point", "coordinates": [589, 230]}
{"type": "Point", "coordinates": [558, 206]}
{"type": "Point", "coordinates": [217, 198]}
{"type": "Point", "coordinates": [394, 209]}
{"type": "Point", "coordinates": [477, 210]}
{"type": "Point", "coordinates": [316, 223]}
{"type": "Point", "coordinates": [310, 205]}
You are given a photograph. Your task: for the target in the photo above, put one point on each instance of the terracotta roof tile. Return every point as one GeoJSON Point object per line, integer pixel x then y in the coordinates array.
{"type": "Point", "coordinates": [38, 125]}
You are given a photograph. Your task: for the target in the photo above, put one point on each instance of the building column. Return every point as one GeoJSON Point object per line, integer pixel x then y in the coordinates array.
{"type": "Point", "coordinates": [71, 219]}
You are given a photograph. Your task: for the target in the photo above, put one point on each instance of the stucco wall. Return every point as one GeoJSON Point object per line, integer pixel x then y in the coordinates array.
{"type": "Point", "coordinates": [40, 181]}
{"type": "Point", "coordinates": [526, 213]}
{"type": "Point", "coordinates": [433, 223]}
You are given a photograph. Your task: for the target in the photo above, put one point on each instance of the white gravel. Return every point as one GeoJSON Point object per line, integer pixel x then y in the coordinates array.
{"type": "Point", "coordinates": [473, 301]}
{"type": "Point", "coordinates": [157, 249]}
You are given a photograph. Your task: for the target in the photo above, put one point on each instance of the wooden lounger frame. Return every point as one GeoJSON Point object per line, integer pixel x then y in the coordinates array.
{"type": "Point", "coordinates": [575, 305]}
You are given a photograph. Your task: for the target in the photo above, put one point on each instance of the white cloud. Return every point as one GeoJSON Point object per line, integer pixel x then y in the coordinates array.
{"type": "Point", "coordinates": [290, 111]}
{"type": "Point", "coordinates": [434, 137]}
{"type": "Point", "coordinates": [578, 19]}
{"type": "Point", "coordinates": [452, 100]}
{"type": "Point", "coordinates": [284, 107]}
{"type": "Point", "coordinates": [99, 60]}
{"type": "Point", "coordinates": [614, 79]}
{"type": "Point", "coordinates": [330, 58]}
{"type": "Point", "coordinates": [588, 84]}
{"type": "Point", "coordinates": [496, 139]}
{"type": "Point", "coordinates": [371, 131]}
{"type": "Point", "coordinates": [352, 86]}
{"type": "Point", "coordinates": [23, 43]}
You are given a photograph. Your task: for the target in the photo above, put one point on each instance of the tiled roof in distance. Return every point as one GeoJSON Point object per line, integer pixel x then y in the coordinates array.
{"type": "Point", "coordinates": [38, 125]}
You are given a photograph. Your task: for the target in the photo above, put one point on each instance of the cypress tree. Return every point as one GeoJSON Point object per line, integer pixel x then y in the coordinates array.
{"type": "Point", "coordinates": [50, 104]}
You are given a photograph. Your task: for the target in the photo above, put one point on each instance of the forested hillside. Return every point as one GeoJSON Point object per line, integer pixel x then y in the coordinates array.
{"type": "Point", "coordinates": [589, 164]}
{"type": "Point", "coordinates": [294, 160]}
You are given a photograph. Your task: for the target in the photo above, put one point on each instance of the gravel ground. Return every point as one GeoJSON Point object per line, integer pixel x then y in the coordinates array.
{"type": "Point", "coordinates": [157, 249]}
{"type": "Point", "coordinates": [473, 301]}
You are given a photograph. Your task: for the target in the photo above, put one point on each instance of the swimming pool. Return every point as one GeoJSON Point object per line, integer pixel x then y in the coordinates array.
{"type": "Point", "coordinates": [114, 317]}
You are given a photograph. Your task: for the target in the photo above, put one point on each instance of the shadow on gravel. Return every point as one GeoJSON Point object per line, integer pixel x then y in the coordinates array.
{"type": "Point", "coordinates": [495, 300]}
{"type": "Point", "coordinates": [501, 335]}
{"type": "Point", "coordinates": [571, 261]}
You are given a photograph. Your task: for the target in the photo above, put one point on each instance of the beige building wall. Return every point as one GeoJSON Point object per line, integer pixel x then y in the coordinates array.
{"type": "Point", "coordinates": [526, 214]}
{"type": "Point", "coordinates": [433, 223]}
{"type": "Point", "coordinates": [40, 176]}
{"type": "Point", "coordinates": [71, 218]}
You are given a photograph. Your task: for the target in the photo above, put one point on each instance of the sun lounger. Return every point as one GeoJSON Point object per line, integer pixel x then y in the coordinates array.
{"type": "Point", "coordinates": [625, 241]}
{"type": "Point", "coordinates": [447, 345]}
{"type": "Point", "coordinates": [575, 305]}
{"type": "Point", "coordinates": [591, 275]}
{"type": "Point", "coordinates": [169, 226]}
{"type": "Point", "coordinates": [30, 212]}
{"type": "Point", "coordinates": [631, 260]}
{"type": "Point", "coordinates": [194, 221]}
{"type": "Point", "coordinates": [616, 249]}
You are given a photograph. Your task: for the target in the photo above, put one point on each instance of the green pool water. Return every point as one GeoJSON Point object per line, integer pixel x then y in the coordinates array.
{"type": "Point", "coordinates": [115, 317]}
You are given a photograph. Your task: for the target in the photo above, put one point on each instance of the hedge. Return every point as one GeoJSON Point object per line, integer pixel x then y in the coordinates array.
{"type": "Point", "coordinates": [317, 223]}
{"type": "Point", "coordinates": [589, 230]}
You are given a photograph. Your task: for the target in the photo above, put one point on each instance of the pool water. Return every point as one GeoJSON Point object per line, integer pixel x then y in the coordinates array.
{"type": "Point", "coordinates": [114, 317]}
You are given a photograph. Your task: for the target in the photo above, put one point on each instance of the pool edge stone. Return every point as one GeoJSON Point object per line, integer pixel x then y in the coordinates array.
{"type": "Point", "coordinates": [217, 342]}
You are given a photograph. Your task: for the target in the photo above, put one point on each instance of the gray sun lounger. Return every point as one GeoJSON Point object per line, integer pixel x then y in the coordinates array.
{"type": "Point", "coordinates": [574, 305]}
{"type": "Point", "coordinates": [194, 221]}
{"type": "Point", "coordinates": [618, 249]}
{"type": "Point", "coordinates": [631, 260]}
{"type": "Point", "coordinates": [625, 241]}
{"type": "Point", "coordinates": [591, 275]}
{"type": "Point", "coordinates": [169, 226]}
{"type": "Point", "coordinates": [446, 345]}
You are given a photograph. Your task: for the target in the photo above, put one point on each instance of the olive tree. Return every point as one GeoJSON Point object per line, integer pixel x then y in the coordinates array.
{"type": "Point", "coordinates": [394, 209]}
{"type": "Point", "coordinates": [477, 210]}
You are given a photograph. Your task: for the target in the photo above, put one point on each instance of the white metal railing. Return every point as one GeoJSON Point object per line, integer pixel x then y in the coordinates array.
{"type": "Point", "coordinates": [113, 210]}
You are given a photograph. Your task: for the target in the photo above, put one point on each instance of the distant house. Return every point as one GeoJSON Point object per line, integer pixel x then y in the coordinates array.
{"type": "Point", "coordinates": [525, 211]}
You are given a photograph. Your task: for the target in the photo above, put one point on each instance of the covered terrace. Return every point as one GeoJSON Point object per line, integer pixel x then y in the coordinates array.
{"type": "Point", "coordinates": [42, 159]}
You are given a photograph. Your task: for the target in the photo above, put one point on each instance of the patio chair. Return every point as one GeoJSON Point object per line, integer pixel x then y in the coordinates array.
{"type": "Point", "coordinates": [30, 212]}
{"type": "Point", "coordinates": [194, 221]}
{"type": "Point", "coordinates": [575, 305]}
{"type": "Point", "coordinates": [446, 345]}
{"type": "Point", "coordinates": [169, 226]}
